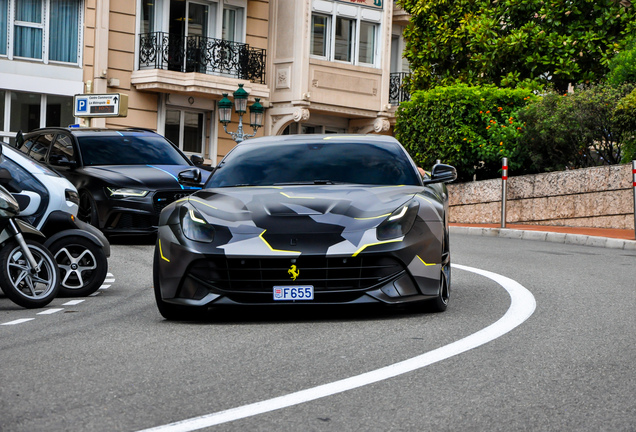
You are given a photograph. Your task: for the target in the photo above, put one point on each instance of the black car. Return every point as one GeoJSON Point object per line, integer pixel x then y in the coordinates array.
{"type": "Point", "coordinates": [307, 219]}
{"type": "Point", "coordinates": [124, 177]}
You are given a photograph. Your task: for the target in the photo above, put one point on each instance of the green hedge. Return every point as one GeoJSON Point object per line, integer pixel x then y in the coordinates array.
{"type": "Point", "coordinates": [471, 128]}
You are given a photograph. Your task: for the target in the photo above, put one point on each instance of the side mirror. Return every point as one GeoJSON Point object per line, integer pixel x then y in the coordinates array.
{"type": "Point", "coordinates": [19, 139]}
{"type": "Point", "coordinates": [197, 159]}
{"type": "Point", "coordinates": [190, 177]}
{"type": "Point", "coordinates": [442, 173]}
{"type": "Point", "coordinates": [61, 160]}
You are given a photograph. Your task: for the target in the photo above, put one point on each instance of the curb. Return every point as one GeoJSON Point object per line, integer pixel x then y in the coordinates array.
{"type": "Point", "coordinates": [554, 237]}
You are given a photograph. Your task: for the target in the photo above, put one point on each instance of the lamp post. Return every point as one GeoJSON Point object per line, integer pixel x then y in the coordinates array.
{"type": "Point", "coordinates": [240, 106]}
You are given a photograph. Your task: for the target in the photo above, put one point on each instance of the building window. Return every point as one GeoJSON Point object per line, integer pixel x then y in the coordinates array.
{"type": "Point", "coordinates": [47, 30]}
{"type": "Point", "coordinates": [366, 51]}
{"type": "Point", "coordinates": [344, 39]}
{"type": "Point", "coordinates": [319, 35]}
{"type": "Point", "coordinates": [341, 34]}
{"type": "Point", "coordinates": [20, 111]}
{"type": "Point", "coordinates": [4, 20]}
{"type": "Point", "coordinates": [185, 129]}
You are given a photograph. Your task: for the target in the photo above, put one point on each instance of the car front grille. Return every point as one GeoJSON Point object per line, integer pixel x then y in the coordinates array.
{"type": "Point", "coordinates": [259, 275]}
{"type": "Point", "coordinates": [161, 199]}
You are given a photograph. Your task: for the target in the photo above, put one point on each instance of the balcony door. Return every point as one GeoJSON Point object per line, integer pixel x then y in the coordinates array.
{"type": "Point", "coordinates": [191, 23]}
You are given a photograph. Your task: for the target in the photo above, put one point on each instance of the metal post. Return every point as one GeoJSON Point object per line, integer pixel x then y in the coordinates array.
{"type": "Point", "coordinates": [504, 181]}
{"type": "Point", "coordinates": [634, 184]}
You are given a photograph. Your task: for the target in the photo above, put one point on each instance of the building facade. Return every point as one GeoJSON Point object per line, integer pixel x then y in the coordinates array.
{"type": "Point", "coordinates": [317, 66]}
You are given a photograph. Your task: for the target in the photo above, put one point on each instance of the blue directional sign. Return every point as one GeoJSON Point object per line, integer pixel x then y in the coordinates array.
{"type": "Point", "coordinates": [81, 105]}
{"type": "Point", "coordinates": [100, 105]}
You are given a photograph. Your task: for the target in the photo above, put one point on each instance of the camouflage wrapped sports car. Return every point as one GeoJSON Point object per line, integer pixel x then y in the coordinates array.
{"type": "Point", "coordinates": [307, 219]}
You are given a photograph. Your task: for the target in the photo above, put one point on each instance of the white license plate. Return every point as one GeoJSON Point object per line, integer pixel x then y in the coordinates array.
{"type": "Point", "coordinates": [304, 292]}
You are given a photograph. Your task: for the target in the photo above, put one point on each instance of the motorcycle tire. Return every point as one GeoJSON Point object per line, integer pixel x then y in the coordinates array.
{"type": "Point", "coordinates": [17, 280]}
{"type": "Point", "coordinates": [83, 266]}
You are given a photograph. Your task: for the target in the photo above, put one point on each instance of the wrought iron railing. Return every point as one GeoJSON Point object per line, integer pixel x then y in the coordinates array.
{"type": "Point", "coordinates": [161, 50]}
{"type": "Point", "coordinates": [398, 88]}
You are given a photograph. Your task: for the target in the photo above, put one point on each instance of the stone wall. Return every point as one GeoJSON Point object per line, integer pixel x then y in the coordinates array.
{"type": "Point", "coordinates": [599, 197]}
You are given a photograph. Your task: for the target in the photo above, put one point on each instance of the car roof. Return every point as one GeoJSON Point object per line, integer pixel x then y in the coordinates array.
{"type": "Point", "coordinates": [27, 162]}
{"type": "Point", "coordinates": [92, 131]}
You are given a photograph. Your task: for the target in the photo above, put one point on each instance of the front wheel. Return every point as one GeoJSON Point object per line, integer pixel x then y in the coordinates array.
{"type": "Point", "coordinates": [87, 211]}
{"type": "Point", "coordinates": [18, 280]}
{"type": "Point", "coordinates": [440, 303]}
{"type": "Point", "coordinates": [169, 311]}
{"type": "Point", "coordinates": [83, 265]}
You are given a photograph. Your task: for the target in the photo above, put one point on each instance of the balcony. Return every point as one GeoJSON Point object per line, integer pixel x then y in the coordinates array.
{"type": "Point", "coordinates": [398, 88]}
{"type": "Point", "coordinates": [204, 55]}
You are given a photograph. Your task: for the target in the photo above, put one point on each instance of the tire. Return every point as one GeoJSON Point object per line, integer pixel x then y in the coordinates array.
{"type": "Point", "coordinates": [88, 210]}
{"type": "Point", "coordinates": [440, 303]}
{"type": "Point", "coordinates": [83, 266]}
{"type": "Point", "coordinates": [17, 281]}
{"type": "Point", "coordinates": [169, 311]}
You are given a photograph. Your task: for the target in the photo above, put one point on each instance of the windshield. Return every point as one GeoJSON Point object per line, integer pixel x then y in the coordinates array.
{"type": "Point", "coordinates": [315, 163]}
{"type": "Point", "coordinates": [123, 149]}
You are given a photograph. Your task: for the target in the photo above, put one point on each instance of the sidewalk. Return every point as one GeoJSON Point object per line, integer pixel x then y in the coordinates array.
{"type": "Point", "coordinates": [599, 237]}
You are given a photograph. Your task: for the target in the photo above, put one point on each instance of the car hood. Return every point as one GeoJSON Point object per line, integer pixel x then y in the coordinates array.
{"type": "Point", "coordinates": [307, 218]}
{"type": "Point", "coordinates": [150, 177]}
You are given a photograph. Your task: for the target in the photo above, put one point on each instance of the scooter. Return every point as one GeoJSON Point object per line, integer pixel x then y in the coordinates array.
{"type": "Point", "coordinates": [29, 275]}
{"type": "Point", "coordinates": [49, 202]}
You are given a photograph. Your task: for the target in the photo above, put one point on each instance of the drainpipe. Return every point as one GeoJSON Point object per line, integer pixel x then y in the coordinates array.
{"type": "Point", "coordinates": [100, 56]}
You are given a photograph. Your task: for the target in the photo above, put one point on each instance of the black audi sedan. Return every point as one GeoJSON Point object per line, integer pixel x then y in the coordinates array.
{"type": "Point", "coordinates": [305, 220]}
{"type": "Point", "coordinates": [124, 177]}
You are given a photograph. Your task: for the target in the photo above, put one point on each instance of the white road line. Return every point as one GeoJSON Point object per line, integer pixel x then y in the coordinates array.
{"type": "Point", "coordinates": [522, 306]}
{"type": "Point", "coordinates": [50, 311]}
{"type": "Point", "coordinates": [72, 303]}
{"type": "Point", "coordinates": [103, 287]}
{"type": "Point", "coordinates": [18, 321]}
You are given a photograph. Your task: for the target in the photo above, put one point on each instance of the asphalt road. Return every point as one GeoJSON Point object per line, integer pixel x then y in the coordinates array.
{"type": "Point", "coordinates": [111, 363]}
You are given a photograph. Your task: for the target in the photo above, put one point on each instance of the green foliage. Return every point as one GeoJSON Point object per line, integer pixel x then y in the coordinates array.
{"type": "Point", "coordinates": [592, 126]}
{"type": "Point", "coordinates": [471, 128]}
{"type": "Point", "coordinates": [624, 117]}
{"type": "Point", "coordinates": [622, 67]}
{"type": "Point", "coordinates": [506, 42]}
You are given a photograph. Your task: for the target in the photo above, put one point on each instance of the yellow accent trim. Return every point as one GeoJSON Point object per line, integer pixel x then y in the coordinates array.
{"type": "Point", "coordinates": [275, 250]}
{"type": "Point", "coordinates": [201, 202]}
{"type": "Point", "coordinates": [295, 197]}
{"type": "Point", "coordinates": [425, 263]}
{"type": "Point", "coordinates": [374, 217]}
{"type": "Point", "coordinates": [375, 244]}
{"type": "Point", "coordinates": [161, 252]}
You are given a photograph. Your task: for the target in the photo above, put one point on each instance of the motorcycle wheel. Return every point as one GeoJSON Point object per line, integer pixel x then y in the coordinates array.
{"type": "Point", "coordinates": [19, 283]}
{"type": "Point", "coordinates": [83, 266]}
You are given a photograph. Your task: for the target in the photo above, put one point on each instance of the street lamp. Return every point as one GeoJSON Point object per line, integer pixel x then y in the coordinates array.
{"type": "Point", "coordinates": [240, 106]}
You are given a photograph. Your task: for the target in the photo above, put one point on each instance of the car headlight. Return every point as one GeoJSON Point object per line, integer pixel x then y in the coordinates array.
{"type": "Point", "coordinates": [126, 192]}
{"type": "Point", "coordinates": [194, 226]}
{"type": "Point", "coordinates": [400, 222]}
{"type": "Point", "coordinates": [71, 196]}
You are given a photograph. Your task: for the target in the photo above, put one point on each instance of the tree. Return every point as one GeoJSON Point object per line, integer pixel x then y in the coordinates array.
{"type": "Point", "coordinates": [507, 42]}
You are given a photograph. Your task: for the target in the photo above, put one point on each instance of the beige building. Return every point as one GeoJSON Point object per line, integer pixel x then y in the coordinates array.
{"type": "Point", "coordinates": [317, 66]}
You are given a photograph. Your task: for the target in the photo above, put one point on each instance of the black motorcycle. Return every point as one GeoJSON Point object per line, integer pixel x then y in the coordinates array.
{"type": "Point", "coordinates": [29, 275]}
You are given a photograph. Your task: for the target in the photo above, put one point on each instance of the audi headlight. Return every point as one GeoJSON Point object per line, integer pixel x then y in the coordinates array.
{"type": "Point", "coordinates": [126, 192]}
{"type": "Point", "coordinates": [398, 223]}
{"type": "Point", "coordinates": [194, 226]}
